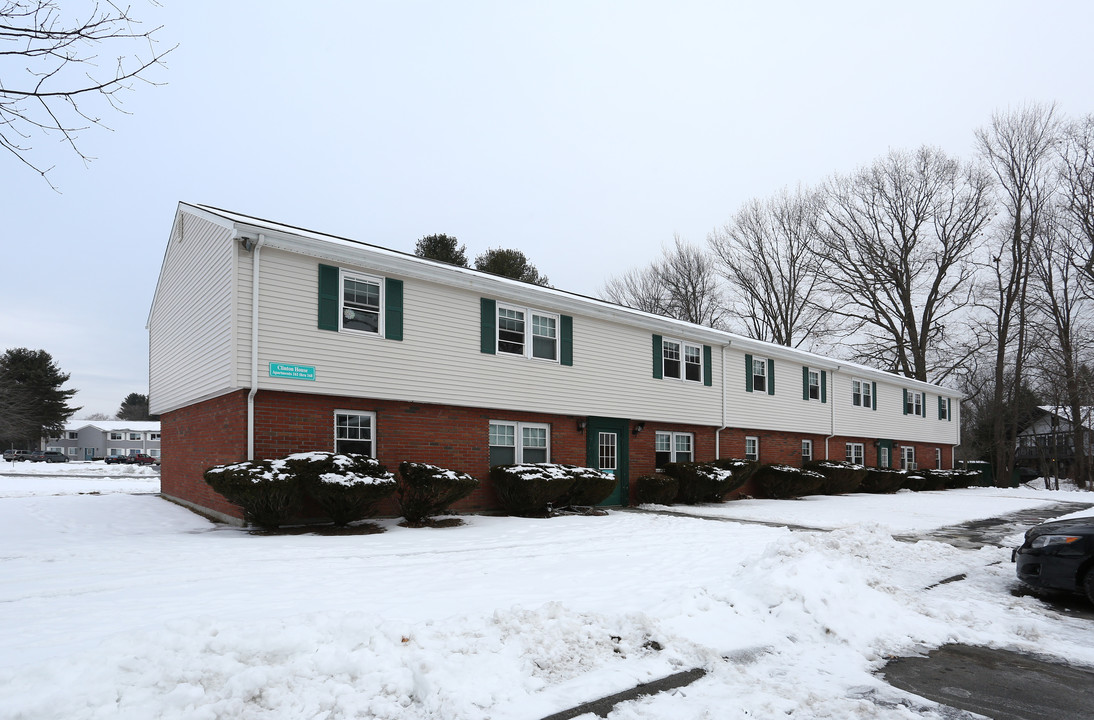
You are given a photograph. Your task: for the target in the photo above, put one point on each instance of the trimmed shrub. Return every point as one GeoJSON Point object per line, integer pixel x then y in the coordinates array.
{"type": "Point", "coordinates": [347, 486]}
{"type": "Point", "coordinates": [743, 470]}
{"type": "Point", "coordinates": [530, 490]}
{"type": "Point", "coordinates": [659, 489]}
{"type": "Point", "coordinates": [784, 481]}
{"type": "Point", "coordinates": [267, 495]}
{"type": "Point", "coordinates": [883, 480]}
{"type": "Point", "coordinates": [839, 477]}
{"type": "Point", "coordinates": [591, 487]}
{"type": "Point", "coordinates": [427, 490]}
{"type": "Point", "coordinates": [954, 479]}
{"type": "Point", "coordinates": [707, 481]}
{"type": "Point", "coordinates": [916, 481]}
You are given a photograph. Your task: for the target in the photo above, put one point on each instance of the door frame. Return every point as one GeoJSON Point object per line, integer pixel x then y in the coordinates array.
{"type": "Point", "coordinates": [622, 428]}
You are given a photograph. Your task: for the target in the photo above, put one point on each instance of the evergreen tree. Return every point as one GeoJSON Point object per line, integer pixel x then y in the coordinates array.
{"type": "Point", "coordinates": [135, 407]}
{"type": "Point", "coordinates": [509, 263]}
{"type": "Point", "coordinates": [34, 380]}
{"type": "Point", "coordinates": [442, 247]}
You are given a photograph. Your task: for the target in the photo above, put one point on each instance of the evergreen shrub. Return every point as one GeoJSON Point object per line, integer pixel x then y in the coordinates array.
{"type": "Point", "coordinates": [701, 482]}
{"type": "Point", "coordinates": [267, 495]}
{"type": "Point", "coordinates": [785, 481]}
{"type": "Point", "coordinates": [839, 477]}
{"type": "Point", "coordinates": [531, 489]}
{"type": "Point", "coordinates": [659, 489]}
{"type": "Point", "coordinates": [590, 487]}
{"type": "Point", "coordinates": [883, 480]}
{"type": "Point", "coordinates": [428, 490]}
{"type": "Point", "coordinates": [347, 486]}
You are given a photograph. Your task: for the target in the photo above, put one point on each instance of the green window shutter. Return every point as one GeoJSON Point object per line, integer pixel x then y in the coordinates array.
{"type": "Point", "coordinates": [873, 394]}
{"type": "Point", "coordinates": [904, 407]}
{"type": "Point", "coordinates": [824, 386]}
{"type": "Point", "coordinates": [770, 377]}
{"type": "Point", "coordinates": [941, 406]}
{"type": "Point", "coordinates": [805, 383]}
{"type": "Point", "coordinates": [748, 373]}
{"type": "Point", "coordinates": [328, 298]}
{"type": "Point", "coordinates": [658, 370]}
{"type": "Point", "coordinates": [949, 410]}
{"type": "Point", "coordinates": [708, 371]}
{"type": "Point", "coordinates": [566, 340]}
{"type": "Point", "coordinates": [489, 326]}
{"type": "Point", "coordinates": [393, 309]}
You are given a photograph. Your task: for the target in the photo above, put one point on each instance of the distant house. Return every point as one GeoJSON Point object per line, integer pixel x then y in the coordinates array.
{"type": "Point", "coordinates": [1047, 445]}
{"type": "Point", "coordinates": [266, 339]}
{"type": "Point", "coordinates": [89, 439]}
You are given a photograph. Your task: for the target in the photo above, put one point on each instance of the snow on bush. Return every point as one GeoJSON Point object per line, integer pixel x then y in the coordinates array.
{"type": "Point", "coordinates": [531, 489]}
{"type": "Point", "coordinates": [786, 481]}
{"type": "Point", "coordinates": [428, 490]}
{"type": "Point", "coordinates": [267, 495]}
{"type": "Point", "coordinates": [701, 482]}
{"type": "Point", "coordinates": [840, 477]}
{"type": "Point", "coordinates": [591, 487]}
{"type": "Point", "coordinates": [347, 486]}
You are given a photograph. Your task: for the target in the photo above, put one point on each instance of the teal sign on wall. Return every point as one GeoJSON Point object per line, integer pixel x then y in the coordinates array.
{"type": "Point", "coordinates": [292, 370]}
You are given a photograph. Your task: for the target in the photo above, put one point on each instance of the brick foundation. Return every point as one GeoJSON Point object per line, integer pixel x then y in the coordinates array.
{"type": "Point", "coordinates": [214, 432]}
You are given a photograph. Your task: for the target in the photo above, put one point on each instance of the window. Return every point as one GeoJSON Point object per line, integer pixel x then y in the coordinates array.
{"type": "Point", "coordinates": [752, 448]}
{"type": "Point", "coordinates": [354, 432]}
{"type": "Point", "coordinates": [116, 436]}
{"type": "Point", "coordinates": [513, 333]}
{"type": "Point", "coordinates": [134, 436]}
{"type": "Point", "coordinates": [944, 409]}
{"type": "Point", "coordinates": [938, 458]}
{"type": "Point", "coordinates": [681, 360]}
{"type": "Point", "coordinates": [672, 447]}
{"type": "Point", "coordinates": [883, 457]}
{"type": "Point", "coordinates": [759, 374]}
{"type": "Point", "coordinates": [73, 435]}
{"type": "Point", "coordinates": [55, 449]}
{"type": "Point", "coordinates": [807, 450]}
{"type": "Point", "coordinates": [813, 384]}
{"type": "Point", "coordinates": [855, 453]}
{"type": "Point", "coordinates": [907, 458]}
{"type": "Point", "coordinates": [72, 451]}
{"type": "Point", "coordinates": [153, 436]}
{"type": "Point", "coordinates": [862, 393]}
{"type": "Point", "coordinates": [913, 403]}
{"type": "Point", "coordinates": [116, 451]}
{"type": "Point", "coordinates": [609, 455]}
{"type": "Point", "coordinates": [361, 298]}
{"type": "Point", "coordinates": [154, 452]}
{"type": "Point", "coordinates": [512, 443]}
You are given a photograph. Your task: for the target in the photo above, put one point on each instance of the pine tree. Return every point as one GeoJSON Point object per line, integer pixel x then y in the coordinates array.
{"type": "Point", "coordinates": [34, 380]}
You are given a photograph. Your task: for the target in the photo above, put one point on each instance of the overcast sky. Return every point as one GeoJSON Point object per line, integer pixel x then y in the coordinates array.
{"type": "Point", "coordinates": [584, 133]}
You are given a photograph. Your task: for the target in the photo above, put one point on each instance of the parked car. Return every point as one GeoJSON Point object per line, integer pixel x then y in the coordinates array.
{"type": "Point", "coordinates": [1058, 555]}
{"type": "Point", "coordinates": [16, 455]}
{"type": "Point", "coordinates": [49, 456]}
{"type": "Point", "coordinates": [141, 459]}
{"type": "Point", "coordinates": [114, 459]}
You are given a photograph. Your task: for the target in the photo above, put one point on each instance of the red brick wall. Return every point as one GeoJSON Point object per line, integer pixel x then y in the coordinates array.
{"type": "Point", "coordinates": [214, 432]}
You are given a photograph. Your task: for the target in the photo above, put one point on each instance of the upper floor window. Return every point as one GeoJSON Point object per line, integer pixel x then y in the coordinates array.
{"type": "Point", "coordinates": [673, 447]}
{"type": "Point", "coordinates": [913, 402]}
{"type": "Point", "coordinates": [944, 409]}
{"type": "Point", "coordinates": [862, 393]}
{"type": "Point", "coordinates": [526, 332]}
{"type": "Point", "coordinates": [134, 436]}
{"type": "Point", "coordinates": [153, 436]}
{"type": "Point", "coordinates": [116, 436]}
{"type": "Point", "coordinates": [681, 360]}
{"type": "Point", "coordinates": [813, 384]}
{"type": "Point", "coordinates": [512, 443]}
{"type": "Point", "coordinates": [354, 432]}
{"type": "Point", "coordinates": [361, 302]}
{"type": "Point", "coordinates": [73, 435]}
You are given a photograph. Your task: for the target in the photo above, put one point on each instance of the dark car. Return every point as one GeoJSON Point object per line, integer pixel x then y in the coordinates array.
{"type": "Point", "coordinates": [112, 459]}
{"type": "Point", "coordinates": [49, 456]}
{"type": "Point", "coordinates": [1058, 555]}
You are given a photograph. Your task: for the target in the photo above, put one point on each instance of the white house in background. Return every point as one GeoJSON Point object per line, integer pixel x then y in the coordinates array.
{"type": "Point", "coordinates": [90, 439]}
{"type": "Point", "coordinates": [267, 339]}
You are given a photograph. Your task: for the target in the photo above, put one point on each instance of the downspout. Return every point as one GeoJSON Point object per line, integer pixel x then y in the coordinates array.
{"type": "Point", "coordinates": [256, 249]}
{"type": "Point", "coordinates": [832, 414]}
{"type": "Point", "coordinates": [725, 424]}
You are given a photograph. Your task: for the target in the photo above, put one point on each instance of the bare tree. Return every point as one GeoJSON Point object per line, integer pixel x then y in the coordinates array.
{"type": "Point", "coordinates": [1019, 146]}
{"type": "Point", "coordinates": [682, 284]}
{"type": "Point", "coordinates": [51, 84]}
{"type": "Point", "coordinates": [896, 252]}
{"type": "Point", "coordinates": [768, 256]}
{"type": "Point", "coordinates": [1077, 171]}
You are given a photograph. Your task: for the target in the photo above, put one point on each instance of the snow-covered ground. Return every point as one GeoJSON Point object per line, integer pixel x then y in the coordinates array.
{"type": "Point", "coordinates": [122, 605]}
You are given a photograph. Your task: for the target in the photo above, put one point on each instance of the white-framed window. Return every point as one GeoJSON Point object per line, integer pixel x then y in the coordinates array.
{"type": "Point", "coordinates": [813, 385]}
{"type": "Point", "coordinates": [907, 458]}
{"type": "Point", "coordinates": [116, 451]}
{"type": "Point", "coordinates": [938, 458]}
{"type": "Point", "coordinates": [759, 374]}
{"type": "Point", "coordinates": [528, 333]}
{"type": "Point", "coordinates": [153, 436]}
{"type": "Point", "coordinates": [681, 360]}
{"type": "Point", "coordinates": [944, 411]}
{"type": "Point", "coordinates": [135, 451]}
{"type": "Point", "coordinates": [861, 393]}
{"type": "Point", "coordinates": [362, 303]}
{"type": "Point", "coordinates": [73, 451]}
{"type": "Point", "coordinates": [55, 449]}
{"type": "Point", "coordinates": [807, 450]}
{"type": "Point", "coordinates": [73, 435]}
{"type": "Point", "coordinates": [855, 453]}
{"type": "Point", "coordinates": [609, 451]}
{"type": "Point", "coordinates": [355, 432]}
{"type": "Point", "coordinates": [135, 436]}
{"type": "Point", "coordinates": [752, 448]}
{"type": "Point", "coordinates": [154, 452]}
{"type": "Point", "coordinates": [673, 447]}
{"type": "Point", "coordinates": [512, 443]}
{"type": "Point", "coordinates": [116, 436]}
{"type": "Point", "coordinates": [913, 402]}
{"type": "Point", "coordinates": [883, 457]}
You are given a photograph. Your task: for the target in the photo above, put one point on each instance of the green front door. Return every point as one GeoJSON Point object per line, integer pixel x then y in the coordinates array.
{"type": "Point", "coordinates": [606, 450]}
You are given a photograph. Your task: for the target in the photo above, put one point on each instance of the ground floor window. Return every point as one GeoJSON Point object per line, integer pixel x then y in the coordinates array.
{"type": "Point", "coordinates": [116, 451]}
{"type": "Point", "coordinates": [673, 447]}
{"type": "Point", "coordinates": [512, 443]}
{"type": "Point", "coordinates": [154, 452]}
{"type": "Point", "coordinates": [907, 458]}
{"type": "Point", "coordinates": [55, 449]}
{"type": "Point", "coordinates": [856, 454]}
{"type": "Point", "coordinates": [883, 459]}
{"type": "Point", "coordinates": [752, 448]}
{"type": "Point", "coordinates": [807, 450]}
{"type": "Point", "coordinates": [73, 451]}
{"type": "Point", "coordinates": [354, 432]}
{"type": "Point", "coordinates": [938, 458]}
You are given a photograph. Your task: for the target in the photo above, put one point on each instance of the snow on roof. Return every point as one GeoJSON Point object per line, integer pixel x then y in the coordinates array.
{"type": "Point", "coordinates": [1086, 413]}
{"type": "Point", "coordinates": [114, 425]}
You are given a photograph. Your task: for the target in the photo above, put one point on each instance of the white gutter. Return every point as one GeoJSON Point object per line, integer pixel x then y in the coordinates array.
{"type": "Point", "coordinates": [256, 249]}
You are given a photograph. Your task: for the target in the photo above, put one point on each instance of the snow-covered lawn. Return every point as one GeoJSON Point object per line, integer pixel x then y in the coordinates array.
{"type": "Point", "coordinates": [124, 605]}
